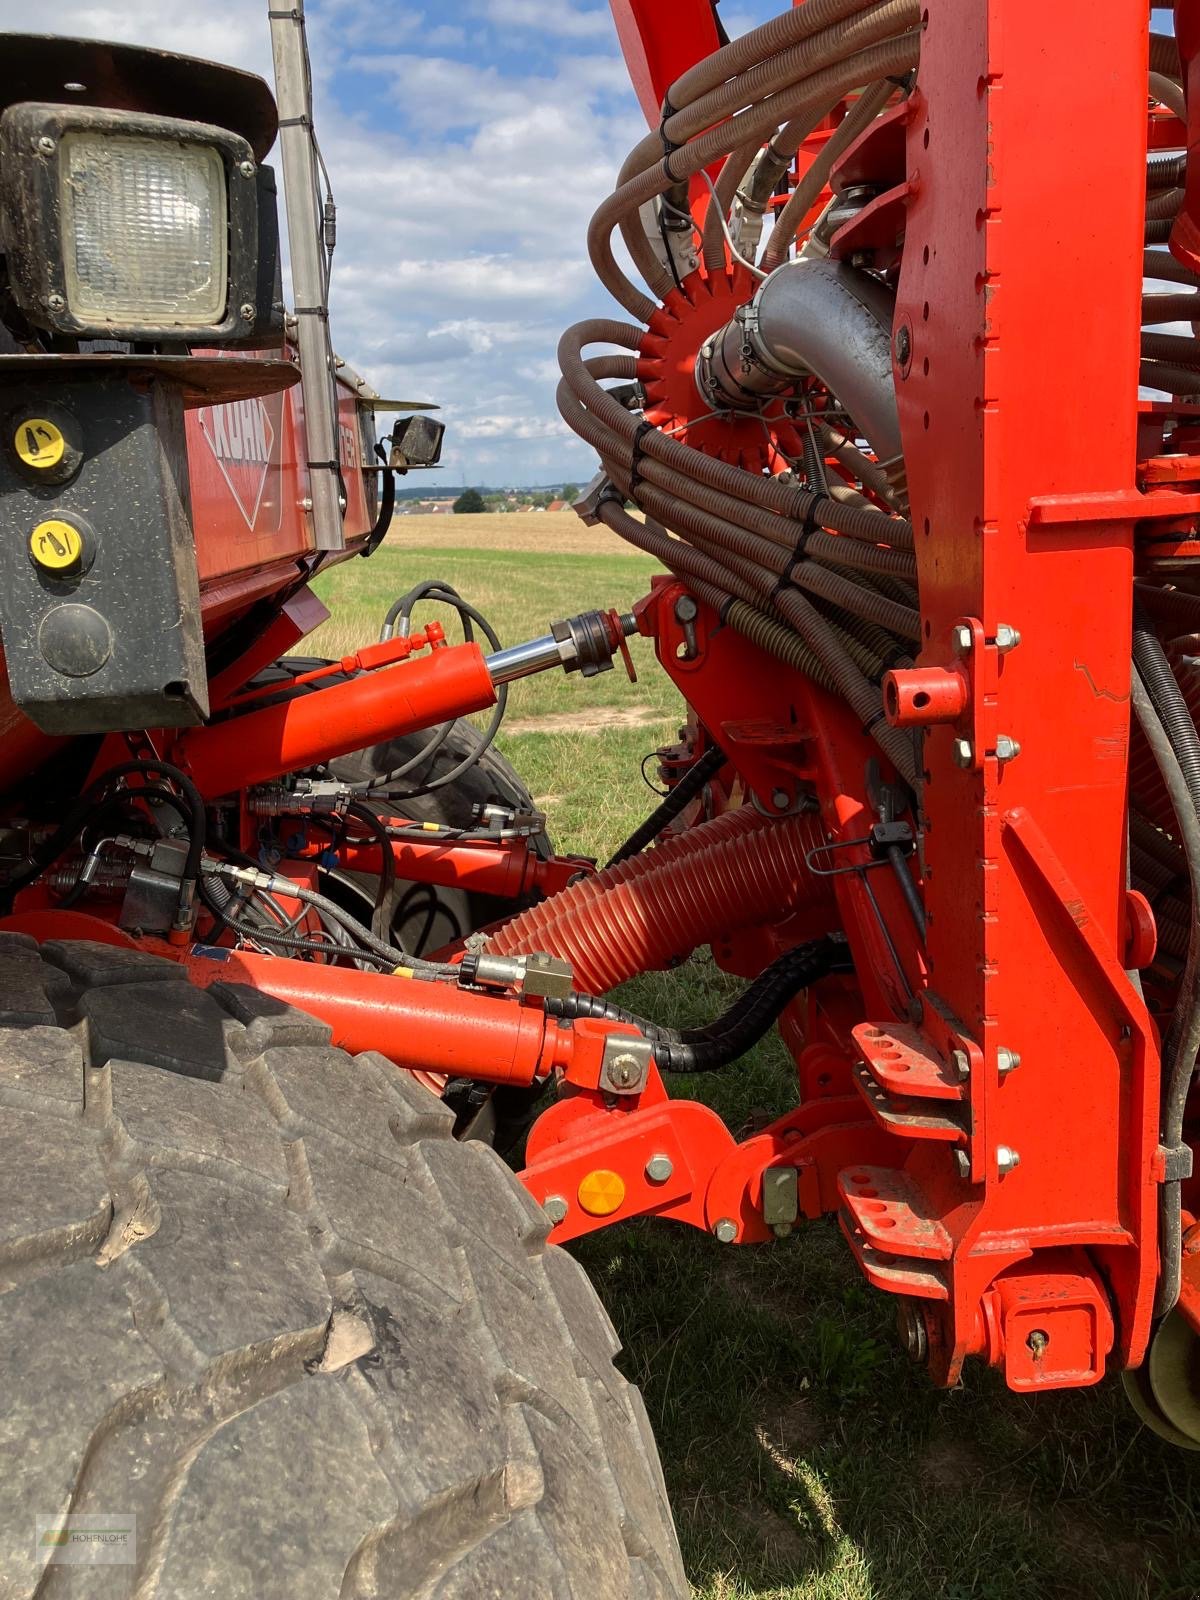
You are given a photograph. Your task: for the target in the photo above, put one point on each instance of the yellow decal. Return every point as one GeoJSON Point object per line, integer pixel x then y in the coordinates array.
{"type": "Point", "coordinates": [39, 443]}
{"type": "Point", "coordinates": [55, 545]}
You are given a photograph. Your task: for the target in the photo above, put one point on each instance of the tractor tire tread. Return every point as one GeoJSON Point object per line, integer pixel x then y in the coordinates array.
{"type": "Point", "coordinates": [259, 1297]}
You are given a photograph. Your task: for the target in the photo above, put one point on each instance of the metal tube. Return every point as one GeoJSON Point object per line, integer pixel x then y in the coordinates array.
{"type": "Point", "coordinates": [812, 318]}
{"type": "Point", "coordinates": [293, 94]}
{"type": "Point", "coordinates": [522, 660]}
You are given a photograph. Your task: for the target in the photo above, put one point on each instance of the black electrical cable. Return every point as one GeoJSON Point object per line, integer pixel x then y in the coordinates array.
{"type": "Point", "coordinates": [387, 507]}
{"type": "Point", "coordinates": [686, 790]}
{"type": "Point", "coordinates": [736, 1030]}
{"type": "Point", "coordinates": [387, 863]}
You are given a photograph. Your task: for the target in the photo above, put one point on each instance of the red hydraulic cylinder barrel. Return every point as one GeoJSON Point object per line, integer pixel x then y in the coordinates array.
{"type": "Point", "coordinates": [261, 745]}
{"type": "Point", "coordinates": [431, 1027]}
{"type": "Point", "coordinates": [500, 870]}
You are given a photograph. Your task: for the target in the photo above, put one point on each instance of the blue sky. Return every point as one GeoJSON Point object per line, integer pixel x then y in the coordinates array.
{"type": "Point", "coordinates": [469, 142]}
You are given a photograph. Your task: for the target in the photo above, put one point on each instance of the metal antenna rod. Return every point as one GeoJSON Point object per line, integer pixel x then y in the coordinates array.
{"type": "Point", "coordinates": [293, 94]}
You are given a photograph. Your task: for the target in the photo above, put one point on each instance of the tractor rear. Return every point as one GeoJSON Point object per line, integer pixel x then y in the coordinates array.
{"type": "Point", "coordinates": [284, 946]}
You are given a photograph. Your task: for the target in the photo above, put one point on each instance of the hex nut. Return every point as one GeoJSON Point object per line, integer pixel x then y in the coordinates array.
{"type": "Point", "coordinates": [555, 1207]}
{"type": "Point", "coordinates": [964, 753]}
{"type": "Point", "coordinates": [1007, 1158]}
{"type": "Point", "coordinates": [726, 1230]}
{"type": "Point", "coordinates": [1007, 637]}
{"type": "Point", "coordinates": [659, 1168]}
{"type": "Point", "coordinates": [962, 638]}
{"type": "Point", "coordinates": [962, 1064]}
{"type": "Point", "coordinates": [1007, 1060]}
{"type": "Point", "coordinates": [963, 1163]}
{"type": "Point", "coordinates": [1007, 748]}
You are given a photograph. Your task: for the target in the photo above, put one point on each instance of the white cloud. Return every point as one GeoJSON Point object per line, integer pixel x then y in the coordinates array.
{"type": "Point", "coordinates": [556, 20]}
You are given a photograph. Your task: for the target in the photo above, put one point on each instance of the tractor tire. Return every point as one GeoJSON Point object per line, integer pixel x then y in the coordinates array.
{"type": "Point", "coordinates": [256, 1296]}
{"type": "Point", "coordinates": [425, 917]}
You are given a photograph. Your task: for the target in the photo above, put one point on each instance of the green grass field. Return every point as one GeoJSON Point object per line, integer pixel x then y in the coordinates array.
{"type": "Point", "coordinates": [807, 1459]}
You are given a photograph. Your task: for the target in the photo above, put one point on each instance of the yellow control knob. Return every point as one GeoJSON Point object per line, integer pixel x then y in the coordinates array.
{"type": "Point", "coordinates": [39, 443]}
{"type": "Point", "coordinates": [56, 545]}
{"type": "Point", "coordinates": [601, 1192]}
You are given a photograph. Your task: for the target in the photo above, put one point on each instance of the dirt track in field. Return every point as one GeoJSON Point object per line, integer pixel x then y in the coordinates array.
{"type": "Point", "coordinates": [554, 532]}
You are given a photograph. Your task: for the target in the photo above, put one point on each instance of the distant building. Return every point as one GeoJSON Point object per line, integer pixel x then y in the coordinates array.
{"type": "Point", "coordinates": [557, 505]}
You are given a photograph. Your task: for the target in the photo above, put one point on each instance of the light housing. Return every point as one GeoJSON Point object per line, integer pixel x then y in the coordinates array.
{"type": "Point", "coordinates": [124, 226]}
{"type": "Point", "coordinates": [416, 442]}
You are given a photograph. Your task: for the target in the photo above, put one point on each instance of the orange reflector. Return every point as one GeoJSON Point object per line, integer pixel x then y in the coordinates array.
{"type": "Point", "coordinates": [601, 1192]}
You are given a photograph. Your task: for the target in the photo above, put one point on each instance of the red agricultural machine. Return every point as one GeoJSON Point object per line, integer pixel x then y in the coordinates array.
{"type": "Point", "coordinates": [284, 948]}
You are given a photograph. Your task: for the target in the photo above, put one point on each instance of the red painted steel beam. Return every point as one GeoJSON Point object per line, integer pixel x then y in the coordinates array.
{"type": "Point", "coordinates": [1019, 185]}
{"type": "Point", "coordinates": [660, 39]}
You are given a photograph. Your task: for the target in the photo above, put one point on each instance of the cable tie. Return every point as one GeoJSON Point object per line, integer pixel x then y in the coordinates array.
{"type": "Point", "coordinates": [292, 122]}
{"type": "Point", "coordinates": [311, 311]}
{"type": "Point", "coordinates": [880, 716]}
{"type": "Point", "coordinates": [725, 608]}
{"type": "Point", "coordinates": [639, 433]}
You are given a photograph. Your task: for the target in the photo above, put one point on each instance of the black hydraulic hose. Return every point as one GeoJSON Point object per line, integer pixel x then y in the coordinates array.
{"type": "Point", "coordinates": [1167, 698]}
{"type": "Point", "coordinates": [678, 798]}
{"type": "Point", "coordinates": [752, 1014]}
{"type": "Point", "coordinates": [387, 863]}
{"type": "Point", "coordinates": [76, 819]}
{"type": "Point", "coordinates": [1183, 1038]}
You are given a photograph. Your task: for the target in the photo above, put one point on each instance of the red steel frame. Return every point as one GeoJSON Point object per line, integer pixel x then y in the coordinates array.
{"type": "Point", "coordinates": [980, 1110]}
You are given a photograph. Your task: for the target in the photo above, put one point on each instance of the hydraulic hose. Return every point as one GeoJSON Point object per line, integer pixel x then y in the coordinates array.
{"type": "Point", "coordinates": [677, 800]}
{"type": "Point", "coordinates": [736, 1030]}
{"type": "Point", "coordinates": [703, 891]}
{"type": "Point", "coordinates": [1183, 1038]}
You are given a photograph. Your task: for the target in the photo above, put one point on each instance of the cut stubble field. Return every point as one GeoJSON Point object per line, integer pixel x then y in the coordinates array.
{"type": "Point", "coordinates": [806, 1458]}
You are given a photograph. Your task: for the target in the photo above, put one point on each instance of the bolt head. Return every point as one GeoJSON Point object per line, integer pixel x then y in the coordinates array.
{"type": "Point", "coordinates": [1007, 1060]}
{"type": "Point", "coordinates": [780, 799]}
{"type": "Point", "coordinates": [962, 1064]}
{"type": "Point", "coordinates": [56, 302]}
{"type": "Point", "coordinates": [623, 1071]}
{"type": "Point", "coordinates": [903, 345]}
{"type": "Point", "coordinates": [45, 145]}
{"type": "Point", "coordinates": [246, 312]}
{"type": "Point", "coordinates": [1007, 638]}
{"type": "Point", "coordinates": [659, 1168]}
{"type": "Point", "coordinates": [1007, 1158]}
{"type": "Point", "coordinates": [962, 1162]}
{"type": "Point", "coordinates": [962, 639]}
{"type": "Point", "coordinates": [555, 1207]}
{"type": "Point", "coordinates": [726, 1230]}
{"type": "Point", "coordinates": [246, 168]}
{"type": "Point", "coordinates": [964, 754]}
{"type": "Point", "coordinates": [1007, 748]}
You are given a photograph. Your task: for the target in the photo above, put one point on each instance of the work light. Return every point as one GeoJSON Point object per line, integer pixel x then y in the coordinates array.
{"type": "Point", "coordinates": [122, 225]}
